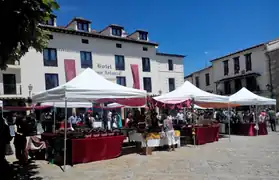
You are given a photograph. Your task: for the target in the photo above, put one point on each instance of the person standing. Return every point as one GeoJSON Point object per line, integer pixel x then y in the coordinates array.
{"type": "Point", "coordinates": [109, 120]}
{"type": "Point", "coordinates": [20, 139]}
{"type": "Point", "coordinates": [272, 119]}
{"type": "Point", "coordinates": [73, 120]}
{"type": "Point", "coordinates": [168, 127]}
{"type": "Point", "coordinates": [180, 116]}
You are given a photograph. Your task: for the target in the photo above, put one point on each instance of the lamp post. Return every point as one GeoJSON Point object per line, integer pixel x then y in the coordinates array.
{"type": "Point", "coordinates": [29, 101]}
{"type": "Point", "coordinates": [30, 88]}
{"type": "Point", "coordinates": [270, 89]}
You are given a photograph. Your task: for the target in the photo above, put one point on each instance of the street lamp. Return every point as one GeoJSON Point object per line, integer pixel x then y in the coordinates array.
{"type": "Point", "coordinates": [30, 88]}
{"type": "Point", "coordinates": [270, 89]}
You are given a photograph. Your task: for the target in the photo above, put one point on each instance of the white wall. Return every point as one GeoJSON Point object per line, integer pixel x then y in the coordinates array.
{"type": "Point", "coordinates": [103, 52]}
{"type": "Point", "coordinates": [202, 79]}
{"type": "Point", "coordinates": [259, 65]}
{"type": "Point", "coordinates": [164, 73]}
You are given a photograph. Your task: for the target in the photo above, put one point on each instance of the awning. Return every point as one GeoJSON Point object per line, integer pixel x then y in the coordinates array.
{"type": "Point", "coordinates": [239, 77]}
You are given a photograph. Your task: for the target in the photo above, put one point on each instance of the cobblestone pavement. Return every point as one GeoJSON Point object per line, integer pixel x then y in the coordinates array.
{"type": "Point", "coordinates": [247, 158]}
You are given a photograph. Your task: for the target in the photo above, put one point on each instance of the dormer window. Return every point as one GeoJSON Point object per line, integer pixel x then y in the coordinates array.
{"type": "Point", "coordinates": [83, 26]}
{"type": "Point", "coordinates": [116, 31]}
{"type": "Point", "coordinates": [50, 21]}
{"type": "Point", "coordinates": [143, 36]}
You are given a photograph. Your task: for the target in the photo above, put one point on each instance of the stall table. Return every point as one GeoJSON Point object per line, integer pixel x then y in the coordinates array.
{"type": "Point", "coordinates": [157, 141]}
{"type": "Point", "coordinates": [248, 129]}
{"type": "Point", "coordinates": [92, 149]}
{"type": "Point", "coordinates": [203, 135]}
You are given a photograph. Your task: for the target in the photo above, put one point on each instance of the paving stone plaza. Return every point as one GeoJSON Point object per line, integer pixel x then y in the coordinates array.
{"type": "Point", "coordinates": [247, 158]}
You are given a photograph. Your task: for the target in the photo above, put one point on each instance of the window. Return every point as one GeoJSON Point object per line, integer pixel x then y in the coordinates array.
{"type": "Point", "coordinates": [116, 31]}
{"type": "Point", "coordinates": [147, 84]}
{"type": "Point", "coordinates": [171, 84]}
{"type": "Point", "coordinates": [9, 83]}
{"type": "Point", "coordinates": [236, 65]}
{"type": "Point", "coordinates": [226, 67]}
{"type": "Point", "coordinates": [237, 84]}
{"type": "Point", "coordinates": [207, 79]}
{"type": "Point", "coordinates": [251, 83]}
{"type": "Point", "coordinates": [145, 49]}
{"type": "Point", "coordinates": [51, 80]}
{"type": "Point", "coordinates": [248, 62]}
{"type": "Point", "coordinates": [119, 63]}
{"type": "Point", "coordinates": [143, 36]}
{"type": "Point", "coordinates": [121, 80]}
{"type": "Point", "coordinates": [84, 41]}
{"type": "Point", "coordinates": [50, 21]}
{"type": "Point", "coordinates": [50, 57]}
{"type": "Point", "coordinates": [50, 36]}
{"type": "Point", "coordinates": [118, 45]}
{"type": "Point", "coordinates": [227, 86]}
{"type": "Point", "coordinates": [83, 26]}
{"type": "Point", "coordinates": [85, 59]}
{"type": "Point", "coordinates": [170, 63]}
{"type": "Point", "coordinates": [145, 64]}
{"type": "Point", "coordinates": [197, 81]}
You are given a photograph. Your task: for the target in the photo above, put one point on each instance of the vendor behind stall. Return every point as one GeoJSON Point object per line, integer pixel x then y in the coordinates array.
{"type": "Point", "coordinates": [73, 120]}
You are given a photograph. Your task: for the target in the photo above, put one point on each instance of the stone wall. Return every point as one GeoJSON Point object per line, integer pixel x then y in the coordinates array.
{"type": "Point", "coordinates": [274, 64]}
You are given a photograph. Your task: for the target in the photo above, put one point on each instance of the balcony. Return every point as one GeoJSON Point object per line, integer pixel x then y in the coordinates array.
{"type": "Point", "coordinates": [10, 89]}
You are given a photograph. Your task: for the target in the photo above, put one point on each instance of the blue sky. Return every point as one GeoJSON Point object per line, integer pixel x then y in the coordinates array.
{"type": "Point", "coordinates": [200, 29]}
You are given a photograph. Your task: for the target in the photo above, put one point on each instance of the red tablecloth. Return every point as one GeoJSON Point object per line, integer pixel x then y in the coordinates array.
{"type": "Point", "coordinates": [248, 129]}
{"type": "Point", "coordinates": [204, 134]}
{"type": "Point", "coordinates": [95, 149]}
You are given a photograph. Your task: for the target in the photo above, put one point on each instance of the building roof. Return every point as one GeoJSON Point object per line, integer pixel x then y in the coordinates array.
{"type": "Point", "coordinates": [172, 55]}
{"type": "Point", "coordinates": [141, 30]}
{"type": "Point", "coordinates": [95, 35]}
{"type": "Point", "coordinates": [80, 19]}
{"type": "Point", "coordinates": [190, 75]}
{"type": "Point", "coordinates": [243, 50]}
{"type": "Point", "coordinates": [116, 25]}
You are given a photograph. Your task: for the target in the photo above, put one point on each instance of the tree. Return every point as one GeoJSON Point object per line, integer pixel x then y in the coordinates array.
{"type": "Point", "coordinates": [20, 28]}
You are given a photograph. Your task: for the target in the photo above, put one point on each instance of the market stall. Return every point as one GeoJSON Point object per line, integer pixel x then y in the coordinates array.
{"type": "Point", "coordinates": [246, 97]}
{"type": "Point", "coordinates": [91, 87]}
{"type": "Point", "coordinates": [201, 133]}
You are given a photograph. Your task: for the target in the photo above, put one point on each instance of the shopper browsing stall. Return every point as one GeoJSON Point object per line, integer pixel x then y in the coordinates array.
{"type": "Point", "coordinates": [168, 127]}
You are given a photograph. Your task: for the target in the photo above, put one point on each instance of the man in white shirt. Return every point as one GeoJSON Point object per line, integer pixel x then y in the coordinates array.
{"type": "Point", "coordinates": [180, 116]}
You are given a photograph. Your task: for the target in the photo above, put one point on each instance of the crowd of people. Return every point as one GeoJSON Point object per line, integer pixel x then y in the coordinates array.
{"type": "Point", "coordinates": [20, 125]}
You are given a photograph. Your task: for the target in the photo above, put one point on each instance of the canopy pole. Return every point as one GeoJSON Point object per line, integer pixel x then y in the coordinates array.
{"type": "Point", "coordinates": [65, 135]}
{"type": "Point", "coordinates": [257, 120]}
{"type": "Point", "coordinates": [229, 122]}
{"type": "Point", "coordinates": [54, 119]}
{"type": "Point", "coordinates": [193, 124]}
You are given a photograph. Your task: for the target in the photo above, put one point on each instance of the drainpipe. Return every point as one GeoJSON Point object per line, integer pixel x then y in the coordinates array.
{"type": "Point", "coordinates": [270, 74]}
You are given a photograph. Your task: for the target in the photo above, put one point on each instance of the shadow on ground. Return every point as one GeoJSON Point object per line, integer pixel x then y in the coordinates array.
{"type": "Point", "coordinates": [16, 171]}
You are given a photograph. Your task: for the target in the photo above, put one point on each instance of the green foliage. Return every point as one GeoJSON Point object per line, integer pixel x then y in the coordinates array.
{"type": "Point", "coordinates": [20, 28]}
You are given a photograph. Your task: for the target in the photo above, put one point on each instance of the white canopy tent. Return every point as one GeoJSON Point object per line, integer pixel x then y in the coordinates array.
{"type": "Point", "coordinates": [190, 91]}
{"type": "Point", "coordinates": [246, 97]}
{"type": "Point", "coordinates": [88, 86]}
{"type": "Point", "coordinates": [117, 105]}
{"type": "Point", "coordinates": [69, 104]}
